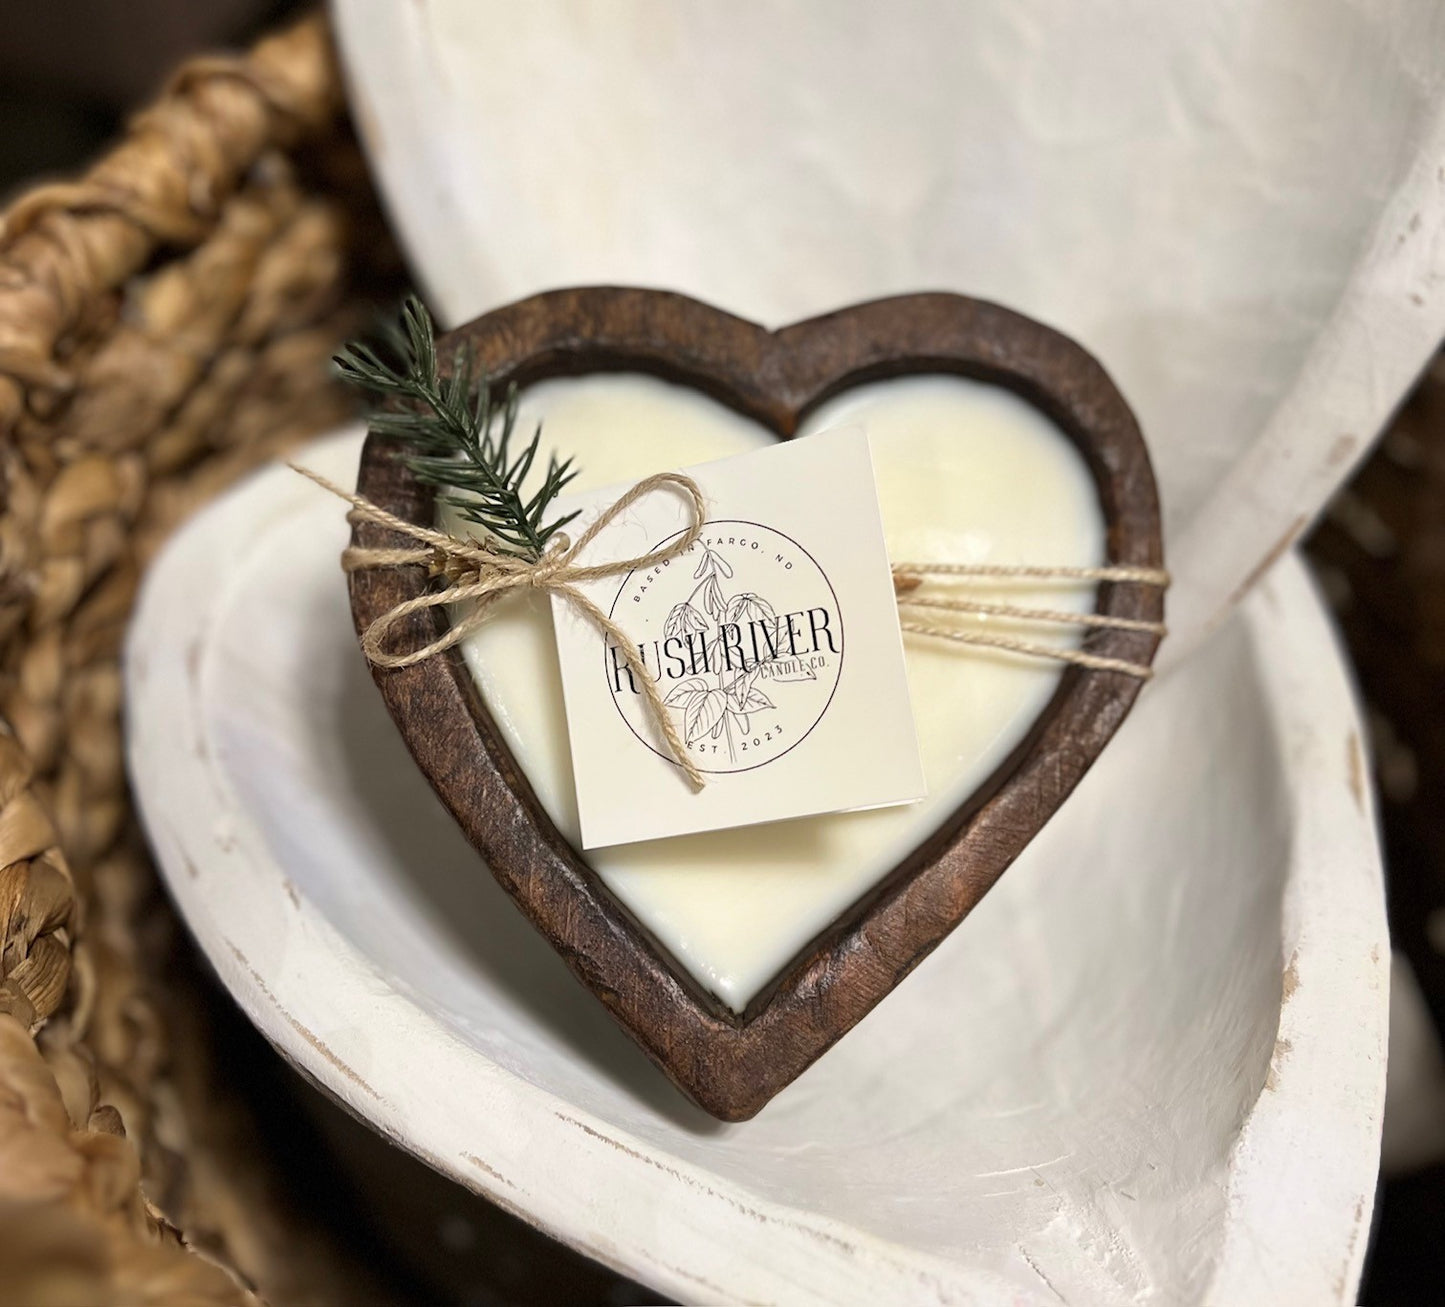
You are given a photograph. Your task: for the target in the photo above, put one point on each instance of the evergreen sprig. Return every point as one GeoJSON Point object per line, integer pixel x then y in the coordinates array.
{"type": "Point", "coordinates": [448, 423]}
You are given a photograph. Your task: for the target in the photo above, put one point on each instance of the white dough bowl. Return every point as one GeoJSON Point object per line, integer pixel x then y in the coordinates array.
{"type": "Point", "coordinates": [1149, 1068]}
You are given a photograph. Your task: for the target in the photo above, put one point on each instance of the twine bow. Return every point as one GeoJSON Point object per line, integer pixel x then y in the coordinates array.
{"type": "Point", "coordinates": [479, 573]}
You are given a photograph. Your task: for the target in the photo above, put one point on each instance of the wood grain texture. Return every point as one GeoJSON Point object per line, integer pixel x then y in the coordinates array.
{"type": "Point", "coordinates": [732, 1065]}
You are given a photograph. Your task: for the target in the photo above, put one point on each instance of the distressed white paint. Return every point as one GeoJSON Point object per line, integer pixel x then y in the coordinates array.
{"type": "Point", "coordinates": [966, 473]}
{"type": "Point", "coordinates": [1091, 1092]}
{"type": "Point", "coordinates": [1237, 204]}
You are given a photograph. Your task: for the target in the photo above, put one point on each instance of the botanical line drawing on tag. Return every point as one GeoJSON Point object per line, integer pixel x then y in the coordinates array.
{"type": "Point", "coordinates": [747, 645]}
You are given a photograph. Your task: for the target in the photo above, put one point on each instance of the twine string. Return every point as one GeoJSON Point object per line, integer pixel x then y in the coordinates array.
{"type": "Point", "coordinates": [1013, 571]}
{"type": "Point", "coordinates": [479, 573]}
{"type": "Point", "coordinates": [907, 577]}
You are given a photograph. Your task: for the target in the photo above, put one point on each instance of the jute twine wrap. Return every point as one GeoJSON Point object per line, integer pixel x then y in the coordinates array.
{"type": "Point", "coordinates": [909, 577]}
{"type": "Point", "coordinates": [478, 572]}
{"type": "Point", "coordinates": [165, 324]}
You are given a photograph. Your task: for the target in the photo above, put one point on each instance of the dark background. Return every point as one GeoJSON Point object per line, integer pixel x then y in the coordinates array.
{"type": "Point", "coordinates": [70, 70]}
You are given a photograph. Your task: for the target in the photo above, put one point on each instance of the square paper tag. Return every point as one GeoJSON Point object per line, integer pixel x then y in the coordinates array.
{"type": "Point", "coordinates": [774, 639]}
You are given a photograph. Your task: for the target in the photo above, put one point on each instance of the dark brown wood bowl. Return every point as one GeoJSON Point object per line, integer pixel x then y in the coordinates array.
{"type": "Point", "coordinates": [732, 1064]}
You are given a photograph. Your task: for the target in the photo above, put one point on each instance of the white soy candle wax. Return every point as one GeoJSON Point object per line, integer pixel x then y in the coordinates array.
{"type": "Point", "coordinates": [967, 472]}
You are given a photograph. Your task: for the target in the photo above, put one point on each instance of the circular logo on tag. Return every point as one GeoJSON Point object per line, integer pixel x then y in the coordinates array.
{"type": "Point", "coordinates": [745, 637]}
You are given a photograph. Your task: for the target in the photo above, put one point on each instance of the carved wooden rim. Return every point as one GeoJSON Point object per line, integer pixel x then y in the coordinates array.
{"type": "Point", "coordinates": [732, 1065]}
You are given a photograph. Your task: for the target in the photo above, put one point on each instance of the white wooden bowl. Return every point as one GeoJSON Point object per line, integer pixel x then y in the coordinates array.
{"type": "Point", "coordinates": [1148, 1068]}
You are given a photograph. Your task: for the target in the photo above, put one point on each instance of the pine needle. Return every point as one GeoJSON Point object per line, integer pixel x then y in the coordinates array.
{"type": "Point", "coordinates": [448, 424]}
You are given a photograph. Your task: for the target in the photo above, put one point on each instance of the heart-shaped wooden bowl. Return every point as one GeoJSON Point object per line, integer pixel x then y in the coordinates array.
{"type": "Point", "coordinates": [732, 1064]}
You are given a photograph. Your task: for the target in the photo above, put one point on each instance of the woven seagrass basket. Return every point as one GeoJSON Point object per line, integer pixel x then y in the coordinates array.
{"type": "Point", "coordinates": [165, 324]}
